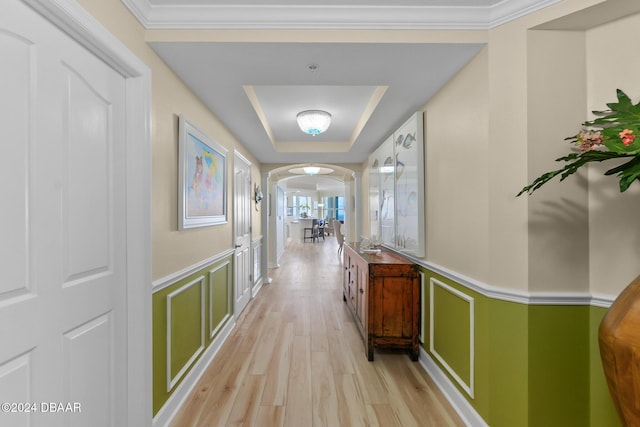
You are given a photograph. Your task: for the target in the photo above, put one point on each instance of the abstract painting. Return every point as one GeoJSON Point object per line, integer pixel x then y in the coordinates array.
{"type": "Point", "coordinates": [202, 174]}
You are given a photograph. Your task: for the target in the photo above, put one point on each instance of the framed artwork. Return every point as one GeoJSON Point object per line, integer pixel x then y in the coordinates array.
{"type": "Point", "coordinates": [396, 188]}
{"type": "Point", "coordinates": [202, 175]}
{"type": "Point", "coordinates": [387, 196]}
{"type": "Point", "coordinates": [409, 180]}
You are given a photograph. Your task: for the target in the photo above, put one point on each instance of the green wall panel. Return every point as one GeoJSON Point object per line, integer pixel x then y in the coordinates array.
{"type": "Point", "coordinates": [558, 365]}
{"type": "Point", "coordinates": [451, 330]}
{"type": "Point", "coordinates": [535, 365]}
{"type": "Point", "coordinates": [187, 316]}
{"type": "Point", "coordinates": [220, 299]}
{"type": "Point", "coordinates": [185, 306]}
{"type": "Point", "coordinates": [460, 328]}
{"type": "Point", "coordinates": [508, 356]}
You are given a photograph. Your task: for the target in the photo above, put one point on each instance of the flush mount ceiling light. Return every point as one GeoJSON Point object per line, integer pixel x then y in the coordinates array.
{"type": "Point", "coordinates": [313, 122]}
{"type": "Point", "coordinates": [311, 170]}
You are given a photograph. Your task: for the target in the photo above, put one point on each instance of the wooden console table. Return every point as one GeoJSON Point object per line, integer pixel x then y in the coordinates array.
{"type": "Point", "coordinates": [383, 293]}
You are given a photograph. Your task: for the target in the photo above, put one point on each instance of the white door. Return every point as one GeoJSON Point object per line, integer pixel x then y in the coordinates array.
{"type": "Point", "coordinates": [62, 251]}
{"type": "Point", "coordinates": [243, 198]}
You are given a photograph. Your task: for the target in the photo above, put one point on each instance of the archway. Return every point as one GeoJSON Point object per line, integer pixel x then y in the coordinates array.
{"type": "Point", "coordinates": [277, 179]}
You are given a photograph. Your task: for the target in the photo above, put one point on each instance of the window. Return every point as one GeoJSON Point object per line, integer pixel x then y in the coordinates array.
{"type": "Point", "coordinates": [334, 207]}
{"type": "Point", "coordinates": [301, 206]}
{"type": "Point", "coordinates": [339, 200]}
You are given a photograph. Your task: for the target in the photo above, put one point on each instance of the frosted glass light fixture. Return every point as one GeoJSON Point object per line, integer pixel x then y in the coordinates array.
{"type": "Point", "coordinates": [311, 170]}
{"type": "Point", "coordinates": [313, 122]}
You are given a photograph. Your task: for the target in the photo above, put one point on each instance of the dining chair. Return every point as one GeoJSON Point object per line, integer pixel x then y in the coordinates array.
{"type": "Point", "coordinates": [337, 228]}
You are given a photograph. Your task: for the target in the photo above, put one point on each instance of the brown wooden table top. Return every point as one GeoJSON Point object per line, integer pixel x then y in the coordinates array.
{"type": "Point", "coordinates": [384, 257]}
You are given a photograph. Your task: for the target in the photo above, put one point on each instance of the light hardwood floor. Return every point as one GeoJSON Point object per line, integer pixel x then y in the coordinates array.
{"type": "Point", "coordinates": [295, 358]}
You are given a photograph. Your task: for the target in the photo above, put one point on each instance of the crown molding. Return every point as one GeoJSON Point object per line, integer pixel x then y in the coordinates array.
{"type": "Point", "coordinates": [232, 16]}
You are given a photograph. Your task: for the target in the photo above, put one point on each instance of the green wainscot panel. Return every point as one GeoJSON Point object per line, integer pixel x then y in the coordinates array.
{"type": "Point", "coordinates": [500, 350]}
{"type": "Point", "coordinates": [220, 296]}
{"type": "Point", "coordinates": [188, 314]}
{"type": "Point", "coordinates": [534, 365]}
{"type": "Point", "coordinates": [452, 328]}
{"type": "Point", "coordinates": [508, 357]}
{"type": "Point", "coordinates": [558, 365]}
{"type": "Point", "coordinates": [185, 315]}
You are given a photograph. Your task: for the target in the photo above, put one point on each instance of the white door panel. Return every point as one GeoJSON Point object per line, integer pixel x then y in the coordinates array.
{"type": "Point", "coordinates": [14, 181]}
{"type": "Point", "coordinates": [62, 304]}
{"type": "Point", "coordinates": [242, 227]}
{"type": "Point", "coordinates": [14, 375]}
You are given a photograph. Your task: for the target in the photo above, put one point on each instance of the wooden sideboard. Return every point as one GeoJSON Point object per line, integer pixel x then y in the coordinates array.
{"type": "Point", "coordinates": [383, 293]}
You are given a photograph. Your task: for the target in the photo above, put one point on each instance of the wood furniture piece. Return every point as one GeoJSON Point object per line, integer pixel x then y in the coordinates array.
{"type": "Point", "coordinates": [619, 338]}
{"type": "Point", "coordinates": [382, 292]}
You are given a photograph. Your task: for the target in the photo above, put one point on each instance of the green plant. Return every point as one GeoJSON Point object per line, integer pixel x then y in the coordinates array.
{"type": "Point", "coordinates": [304, 210]}
{"type": "Point", "coordinates": [610, 136]}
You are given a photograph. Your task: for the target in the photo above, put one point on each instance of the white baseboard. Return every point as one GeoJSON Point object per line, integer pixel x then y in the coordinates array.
{"type": "Point", "coordinates": [464, 409]}
{"type": "Point", "coordinates": [171, 407]}
{"type": "Point", "coordinates": [256, 288]}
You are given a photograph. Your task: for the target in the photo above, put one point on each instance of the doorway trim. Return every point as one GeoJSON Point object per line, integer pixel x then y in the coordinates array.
{"type": "Point", "coordinates": [353, 204]}
{"type": "Point", "coordinates": [87, 31]}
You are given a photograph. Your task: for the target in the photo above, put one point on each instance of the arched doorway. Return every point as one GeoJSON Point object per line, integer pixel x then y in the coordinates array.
{"type": "Point", "coordinates": [286, 192]}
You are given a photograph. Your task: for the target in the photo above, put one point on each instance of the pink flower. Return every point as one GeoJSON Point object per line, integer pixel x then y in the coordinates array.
{"type": "Point", "coordinates": [627, 136]}
{"type": "Point", "coordinates": [589, 140]}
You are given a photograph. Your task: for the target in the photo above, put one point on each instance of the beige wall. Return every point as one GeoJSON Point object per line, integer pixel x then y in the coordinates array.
{"type": "Point", "coordinates": [614, 228]}
{"type": "Point", "coordinates": [499, 124]}
{"type": "Point", "coordinates": [456, 135]}
{"type": "Point", "coordinates": [491, 130]}
{"type": "Point", "coordinates": [173, 250]}
{"type": "Point", "coordinates": [558, 225]}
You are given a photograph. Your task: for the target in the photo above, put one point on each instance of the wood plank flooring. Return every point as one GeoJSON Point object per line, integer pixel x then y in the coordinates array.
{"type": "Point", "coordinates": [296, 359]}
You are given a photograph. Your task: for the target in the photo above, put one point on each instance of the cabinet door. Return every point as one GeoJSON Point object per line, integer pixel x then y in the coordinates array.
{"type": "Point", "coordinates": [346, 279]}
{"type": "Point", "coordinates": [361, 293]}
{"type": "Point", "coordinates": [392, 314]}
{"type": "Point", "coordinates": [350, 276]}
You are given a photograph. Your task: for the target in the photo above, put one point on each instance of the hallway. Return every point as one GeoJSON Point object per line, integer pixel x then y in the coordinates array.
{"type": "Point", "coordinates": [295, 358]}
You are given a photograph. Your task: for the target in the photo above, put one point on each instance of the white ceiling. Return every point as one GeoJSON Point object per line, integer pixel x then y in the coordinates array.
{"type": "Point", "coordinates": [345, 80]}
{"type": "Point", "coordinates": [256, 89]}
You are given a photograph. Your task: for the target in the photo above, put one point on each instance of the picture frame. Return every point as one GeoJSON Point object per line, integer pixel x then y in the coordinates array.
{"type": "Point", "coordinates": [202, 176]}
{"type": "Point", "coordinates": [396, 188]}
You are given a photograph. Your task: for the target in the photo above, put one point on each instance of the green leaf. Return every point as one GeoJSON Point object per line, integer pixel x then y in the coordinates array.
{"type": "Point", "coordinates": [621, 115]}
{"type": "Point", "coordinates": [627, 173]}
{"type": "Point", "coordinates": [578, 160]}
{"type": "Point", "coordinates": [624, 102]}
